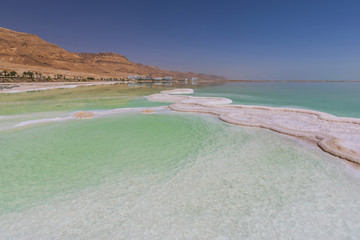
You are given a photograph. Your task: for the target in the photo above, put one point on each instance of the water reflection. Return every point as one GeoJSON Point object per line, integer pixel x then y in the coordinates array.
{"type": "Point", "coordinates": [6, 86]}
{"type": "Point", "coordinates": [174, 84]}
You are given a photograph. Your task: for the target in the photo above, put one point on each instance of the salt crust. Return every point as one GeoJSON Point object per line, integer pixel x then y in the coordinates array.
{"type": "Point", "coordinates": [94, 114]}
{"type": "Point", "coordinates": [49, 86]}
{"type": "Point", "coordinates": [338, 136]}
{"type": "Point", "coordinates": [178, 91]}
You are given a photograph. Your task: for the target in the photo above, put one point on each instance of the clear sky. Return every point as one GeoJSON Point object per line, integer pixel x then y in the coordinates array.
{"type": "Point", "coordinates": [243, 39]}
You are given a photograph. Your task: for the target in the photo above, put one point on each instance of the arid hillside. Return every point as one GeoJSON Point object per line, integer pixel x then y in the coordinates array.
{"type": "Point", "coordinates": [22, 52]}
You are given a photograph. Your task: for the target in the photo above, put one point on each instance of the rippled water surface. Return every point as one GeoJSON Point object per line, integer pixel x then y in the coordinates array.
{"type": "Point", "coordinates": [81, 98]}
{"type": "Point", "coordinates": [166, 176]}
{"type": "Point", "coordinates": [338, 98]}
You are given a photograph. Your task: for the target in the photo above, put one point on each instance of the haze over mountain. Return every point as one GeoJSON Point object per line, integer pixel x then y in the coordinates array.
{"type": "Point", "coordinates": [23, 52]}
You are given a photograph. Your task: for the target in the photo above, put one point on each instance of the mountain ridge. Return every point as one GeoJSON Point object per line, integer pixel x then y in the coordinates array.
{"type": "Point", "coordinates": [21, 51]}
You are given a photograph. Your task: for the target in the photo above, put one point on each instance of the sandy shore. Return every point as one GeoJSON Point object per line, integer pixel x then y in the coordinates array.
{"type": "Point", "coordinates": [335, 135]}
{"type": "Point", "coordinates": [39, 86]}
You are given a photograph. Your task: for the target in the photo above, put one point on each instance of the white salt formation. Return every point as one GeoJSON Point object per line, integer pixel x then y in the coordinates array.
{"type": "Point", "coordinates": [338, 136]}
{"type": "Point", "coordinates": [178, 91]}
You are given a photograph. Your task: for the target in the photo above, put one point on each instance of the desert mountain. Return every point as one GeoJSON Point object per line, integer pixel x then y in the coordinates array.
{"type": "Point", "coordinates": [23, 51]}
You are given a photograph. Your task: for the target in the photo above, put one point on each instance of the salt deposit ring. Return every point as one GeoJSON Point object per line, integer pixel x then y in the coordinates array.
{"type": "Point", "coordinates": [338, 136]}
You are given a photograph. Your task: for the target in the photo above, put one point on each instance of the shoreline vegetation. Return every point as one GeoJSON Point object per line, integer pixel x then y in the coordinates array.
{"type": "Point", "coordinates": [11, 76]}
{"type": "Point", "coordinates": [47, 79]}
{"type": "Point", "coordinates": [31, 58]}
{"type": "Point", "coordinates": [277, 81]}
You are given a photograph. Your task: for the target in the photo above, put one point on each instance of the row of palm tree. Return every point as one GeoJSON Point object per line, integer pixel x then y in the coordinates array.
{"type": "Point", "coordinates": [8, 74]}
{"type": "Point", "coordinates": [27, 74]}
{"type": "Point", "coordinates": [35, 75]}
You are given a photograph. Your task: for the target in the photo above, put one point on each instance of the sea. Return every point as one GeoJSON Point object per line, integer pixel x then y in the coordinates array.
{"type": "Point", "coordinates": [170, 175]}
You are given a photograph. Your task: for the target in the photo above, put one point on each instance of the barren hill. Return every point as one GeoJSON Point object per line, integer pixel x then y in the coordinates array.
{"type": "Point", "coordinates": [23, 51]}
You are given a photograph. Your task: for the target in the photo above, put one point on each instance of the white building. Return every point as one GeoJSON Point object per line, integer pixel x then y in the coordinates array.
{"type": "Point", "coordinates": [168, 77]}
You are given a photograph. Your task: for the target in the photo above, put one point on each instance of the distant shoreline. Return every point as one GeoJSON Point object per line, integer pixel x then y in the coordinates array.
{"type": "Point", "coordinates": [41, 86]}
{"type": "Point", "coordinates": [303, 81]}
{"type": "Point", "coordinates": [29, 86]}
{"type": "Point", "coordinates": [24, 81]}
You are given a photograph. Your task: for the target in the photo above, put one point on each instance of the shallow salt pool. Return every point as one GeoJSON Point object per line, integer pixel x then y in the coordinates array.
{"type": "Point", "coordinates": [170, 176]}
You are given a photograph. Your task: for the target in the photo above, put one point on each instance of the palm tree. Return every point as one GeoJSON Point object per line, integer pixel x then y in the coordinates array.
{"type": "Point", "coordinates": [30, 74]}
{"type": "Point", "coordinates": [5, 73]}
{"type": "Point", "coordinates": [13, 73]}
{"type": "Point", "coordinates": [25, 74]}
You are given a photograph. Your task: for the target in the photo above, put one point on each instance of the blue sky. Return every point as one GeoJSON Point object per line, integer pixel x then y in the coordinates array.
{"type": "Point", "coordinates": [252, 39]}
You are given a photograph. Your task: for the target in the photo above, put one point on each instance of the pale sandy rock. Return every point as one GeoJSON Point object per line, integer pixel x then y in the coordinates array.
{"type": "Point", "coordinates": [83, 114]}
{"type": "Point", "coordinates": [148, 111]}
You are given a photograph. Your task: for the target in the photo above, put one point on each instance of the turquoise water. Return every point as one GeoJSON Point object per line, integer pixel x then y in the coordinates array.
{"type": "Point", "coordinates": [75, 99]}
{"type": "Point", "coordinates": [340, 99]}
{"type": "Point", "coordinates": [165, 176]}
{"type": "Point", "coordinates": [40, 162]}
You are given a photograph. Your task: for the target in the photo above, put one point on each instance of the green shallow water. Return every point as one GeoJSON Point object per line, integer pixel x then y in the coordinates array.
{"type": "Point", "coordinates": [40, 162]}
{"type": "Point", "coordinates": [74, 99]}
{"type": "Point", "coordinates": [171, 176]}
{"type": "Point", "coordinates": [340, 99]}
{"type": "Point", "coordinates": [167, 175]}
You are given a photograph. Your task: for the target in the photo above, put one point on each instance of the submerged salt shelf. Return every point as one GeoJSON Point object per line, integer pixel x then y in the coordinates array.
{"type": "Point", "coordinates": [220, 181]}
{"type": "Point", "coordinates": [338, 136]}
{"type": "Point", "coordinates": [154, 173]}
{"type": "Point", "coordinates": [90, 114]}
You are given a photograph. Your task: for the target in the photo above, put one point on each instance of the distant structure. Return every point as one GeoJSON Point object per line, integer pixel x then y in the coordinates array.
{"type": "Point", "coordinates": [194, 79]}
{"type": "Point", "coordinates": [168, 78]}
{"type": "Point", "coordinates": [59, 76]}
{"type": "Point", "coordinates": [139, 77]}
{"type": "Point", "coordinates": [158, 78]}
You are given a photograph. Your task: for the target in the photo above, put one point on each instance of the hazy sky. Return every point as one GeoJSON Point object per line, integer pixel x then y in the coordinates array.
{"type": "Point", "coordinates": [243, 39]}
